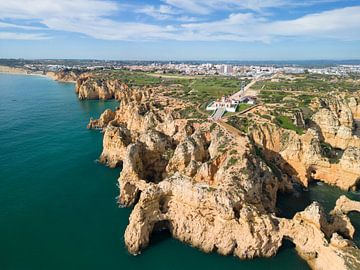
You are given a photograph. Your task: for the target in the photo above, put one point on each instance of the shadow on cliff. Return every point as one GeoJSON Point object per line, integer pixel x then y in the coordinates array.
{"type": "Point", "coordinates": [288, 204]}
{"type": "Point", "coordinates": [355, 220]}
{"type": "Point", "coordinates": [160, 234]}
{"type": "Point", "coordinates": [292, 197]}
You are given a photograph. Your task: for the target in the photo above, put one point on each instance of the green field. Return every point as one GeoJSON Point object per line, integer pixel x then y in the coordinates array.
{"type": "Point", "coordinates": [199, 90]}
{"type": "Point", "coordinates": [311, 83]}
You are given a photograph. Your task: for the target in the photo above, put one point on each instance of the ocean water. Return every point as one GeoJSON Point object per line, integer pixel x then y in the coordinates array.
{"type": "Point", "coordinates": [57, 205]}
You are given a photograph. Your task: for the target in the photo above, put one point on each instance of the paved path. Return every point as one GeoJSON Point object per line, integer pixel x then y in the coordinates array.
{"type": "Point", "coordinates": [218, 114]}
{"type": "Point", "coordinates": [247, 90]}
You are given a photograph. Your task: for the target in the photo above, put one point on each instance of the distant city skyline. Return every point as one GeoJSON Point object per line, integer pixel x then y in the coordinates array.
{"type": "Point", "coordinates": [180, 29]}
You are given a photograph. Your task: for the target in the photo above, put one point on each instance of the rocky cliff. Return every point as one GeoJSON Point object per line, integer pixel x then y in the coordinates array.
{"type": "Point", "coordinates": [329, 151]}
{"type": "Point", "coordinates": [336, 122]}
{"type": "Point", "coordinates": [91, 86]}
{"type": "Point", "coordinates": [302, 157]}
{"type": "Point", "coordinates": [215, 189]}
{"type": "Point", "coordinates": [64, 75]}
{"type": "Point", "coordinates": [324, 244]}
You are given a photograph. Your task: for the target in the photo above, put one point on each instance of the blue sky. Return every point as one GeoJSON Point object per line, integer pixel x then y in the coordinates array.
{"type": "Point", "coordinates": [181, 29]}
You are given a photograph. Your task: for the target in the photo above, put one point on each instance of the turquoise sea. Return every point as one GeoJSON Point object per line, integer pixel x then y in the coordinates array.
{"type": "Point", "coordinates": [57, 205]}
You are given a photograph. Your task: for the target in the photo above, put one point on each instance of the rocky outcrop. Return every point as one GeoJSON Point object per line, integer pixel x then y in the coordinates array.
{"type": "Point", "coordinates": [328, 151]}
{"type": "Point", "coordinates": [344, 205]}
{"type": "Point", "coordinates": [318, 241]}
{"type": "Point", "coordinates": [90, 86]}
{"type": "Point", "coordinates": [201, 197]}
{"type": "Point", "coordinates": [105, 118]}
{"type": "Point", "coordinates": [354, 105]}
{"type": "Point", "coordinates": [335, 121]}
{"type": "Point", "coordinates": [214, 189]}
{"type": "Point", "coordinates": [65, 75]}
{"type": "Point", "coordinates": [300, 157]}
{"type": "Point", "coordinates": [298, 119]}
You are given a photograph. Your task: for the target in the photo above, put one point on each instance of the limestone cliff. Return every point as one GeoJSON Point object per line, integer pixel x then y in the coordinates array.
{"type": "Point", "coordinates": [64, 75]}
{"type": "Point", "coordinates": [90, 86]}
{"type": "Point", "coordinates": [302, 159]}
{"type": "Point", "coordinates": [214, 189]}
{"type": "Point", "coordinates": [329, 151]}
{"type": "Point", "coordinates": [335, 120]}
{"type": "Point", "coordinates": [319, 241]}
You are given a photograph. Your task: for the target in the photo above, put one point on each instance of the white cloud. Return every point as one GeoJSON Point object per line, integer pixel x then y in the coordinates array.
{"type": "Point", "coordinates": [39, 9]}
{"type": "Point", "coordinates": [110, 30]}
{"type": "Point", "coordinates": [342, 24]}
{"type": "Point", "coordinates": [163, 12]}
{"type": "Point", "coordinates": [94, 18]}
{"type": "Point", "coordinates": [22, 36]}
{"type": "Point", "coordinates": [12, 25]}
{"type": "Point", "coordinates": [209, 6]}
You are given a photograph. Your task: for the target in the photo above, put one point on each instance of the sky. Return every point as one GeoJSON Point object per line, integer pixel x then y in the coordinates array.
{"type": "Point", "coordinates": [180, 29]}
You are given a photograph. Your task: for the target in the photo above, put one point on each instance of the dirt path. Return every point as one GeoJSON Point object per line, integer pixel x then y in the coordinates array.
{"type": "Point", "coordinates": [233, 131]}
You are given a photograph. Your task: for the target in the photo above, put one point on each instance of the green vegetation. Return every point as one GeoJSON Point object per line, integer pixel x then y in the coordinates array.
{"type": "Point", "coordinates": [241, 123]}
{"type": "Point", "coordinates": [190, 112]}
{"type": "Point", "coordinates": [243, 107]}
{"type": "Point", "coordinates": [167, 155]}
{"type": "Point", "coordinates": [212, 127]}
{"type": "Point", "coordinates": [233, 152]}
{"type": "Point", "coordinates": [286, 123]}
{"type": "Point", "coordinates": [133, 78]}
{"type": "Point", "coordinates": [276, 171]}
{"type": "Point", "coordinates": [310, 83]}
{"type": "Point", "coordinates": [232, 161]}
{"type": "Point", "coordinates": [266, 116]}
{"type": "Point", "coordinates": [333, 154]}
{"type": "Point", "coordinates": [272, 96]}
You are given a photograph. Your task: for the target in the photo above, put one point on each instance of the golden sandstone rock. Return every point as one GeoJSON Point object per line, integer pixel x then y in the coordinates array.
{"type": "Point", "coordinates": [64, 76]}
{"type": "Point", "coordinates": [300, 157]}
{"type": "Point", "coordinates": [214, 189]}
{"type": "Point", "coordinates": [89, 86]}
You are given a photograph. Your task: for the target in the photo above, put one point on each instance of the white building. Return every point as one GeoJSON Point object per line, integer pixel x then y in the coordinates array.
{"type": "Point", "coordinates": [228, 104]}
{"type": "Point", "coordinates": [226, 69]}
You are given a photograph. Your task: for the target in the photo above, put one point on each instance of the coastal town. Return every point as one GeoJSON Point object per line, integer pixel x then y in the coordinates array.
{"type": "Point", "coordinates": [250, 70]}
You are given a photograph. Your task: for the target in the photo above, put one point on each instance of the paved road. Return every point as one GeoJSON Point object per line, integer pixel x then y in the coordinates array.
{"type": "Point", "coordinates": [218, 114]}
{"type": "Point", "coordinates": [247, 91]}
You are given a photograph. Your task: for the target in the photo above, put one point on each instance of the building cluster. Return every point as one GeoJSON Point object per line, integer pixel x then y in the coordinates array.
{"type": "Point", "coordinates": [240, 70]}
{"type": "Point", "coordinates": [230, 103]}
{"type": "Point", "coordinates": [197, 68]}
{"type": "Point", "coordinates": [226, 103]}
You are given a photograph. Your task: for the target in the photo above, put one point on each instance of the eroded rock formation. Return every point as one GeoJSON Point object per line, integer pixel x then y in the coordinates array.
{"type": "Point", "coordinates": [335, 121]}
{"type": "Point", "coordinates": [90, 86]}
{"type": "Point", "coordinates": [65, 75]}
{"type": "Point", "coordinates": [214, 189]}
{"type": "Point", "coordinates": [319, 241]}
{"type": "Point", "coordinates": [329, 151]}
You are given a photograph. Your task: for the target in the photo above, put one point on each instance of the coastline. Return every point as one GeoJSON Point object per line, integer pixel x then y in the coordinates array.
{"type": "Point", "coordinates": [22, 71]}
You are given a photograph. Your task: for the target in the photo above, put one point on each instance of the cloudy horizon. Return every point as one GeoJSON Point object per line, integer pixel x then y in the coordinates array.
{"type": "Point", "coordinates": [180, 29]}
